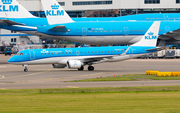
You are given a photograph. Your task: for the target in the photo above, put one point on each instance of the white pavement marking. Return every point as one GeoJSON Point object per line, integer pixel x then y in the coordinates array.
{"type": "Point", "coordinates": [1, 77]}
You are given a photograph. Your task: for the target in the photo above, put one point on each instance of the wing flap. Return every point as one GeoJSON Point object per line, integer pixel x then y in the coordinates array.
{"type": "Point", "coordinates": [171, 35]}
{"type": "Point", "coordinates": [95, 60]}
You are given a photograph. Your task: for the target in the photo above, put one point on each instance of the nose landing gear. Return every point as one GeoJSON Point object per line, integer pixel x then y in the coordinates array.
{"type": "Point", "coordinates": [25, 68]}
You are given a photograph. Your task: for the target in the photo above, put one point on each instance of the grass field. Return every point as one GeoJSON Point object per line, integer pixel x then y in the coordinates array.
{"type": "Point", "coordinates": [92, 100]}
{"type": "Point", "coordinates": [134, 77]}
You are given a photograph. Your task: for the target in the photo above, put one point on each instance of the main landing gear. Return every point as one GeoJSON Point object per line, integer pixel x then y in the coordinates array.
{"type": "Point", "coordinates": [81, 69]}
{"type": "Point", "coordinates": [25, 68]}
{"type": "Point", "coordinates": [91, 68]}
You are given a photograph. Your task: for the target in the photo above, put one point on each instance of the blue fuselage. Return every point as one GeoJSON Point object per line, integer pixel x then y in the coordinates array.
{"type": "Point", "coordinates": [26, 56]}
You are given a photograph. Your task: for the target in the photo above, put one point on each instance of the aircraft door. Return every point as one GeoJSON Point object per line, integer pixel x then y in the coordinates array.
{"type": "Point", "coordinates": [84, 31]}
{"type": "Point", "coordinates": [130, 52]}
{"type": "Point", "coordinates": [166, 17]}
{"type": "Point", "coordinates": [167, 29]}
{"type": "Point", "coordinates": [32, 54]}
{"type": "Point", "coordinates": [126, 31]}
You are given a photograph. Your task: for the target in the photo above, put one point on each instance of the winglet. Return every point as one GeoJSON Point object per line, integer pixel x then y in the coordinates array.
{"type": "Point", "coordinates": [55, 13]}
{"type": "Point", "coordinates": [151, 36]}
{"type": "Point", "coordinates": [12, 9]}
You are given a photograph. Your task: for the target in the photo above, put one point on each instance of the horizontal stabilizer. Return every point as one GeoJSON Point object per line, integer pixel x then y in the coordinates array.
{"type": "Point", "coordinates": [158, 48]}
{"type": "Point", "coordinates": [9, 23]}
{"type": "Point", "coordinates": [60, 28]}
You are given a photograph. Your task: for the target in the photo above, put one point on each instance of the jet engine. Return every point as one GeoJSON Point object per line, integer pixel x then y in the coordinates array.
{"type": "Point", "coordinates": [58, 66]}
{"type": "Point", "coordinates": [74, 64]}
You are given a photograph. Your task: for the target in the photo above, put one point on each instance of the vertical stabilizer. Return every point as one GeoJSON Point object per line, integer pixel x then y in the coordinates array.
{"type": "Point", "coordinates": [55, 13]}
{"type": "Point", "coordinates": [12, 9]}
{"type": "Point", "coordinates": [151, 36]}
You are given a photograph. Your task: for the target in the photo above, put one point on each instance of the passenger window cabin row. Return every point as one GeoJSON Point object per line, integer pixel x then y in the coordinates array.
{"type": "Point", "coordinates": [83, 52]}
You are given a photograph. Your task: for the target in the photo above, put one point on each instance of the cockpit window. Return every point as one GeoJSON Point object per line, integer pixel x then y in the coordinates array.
{"type": "Point", "coordinates": [20, 54]}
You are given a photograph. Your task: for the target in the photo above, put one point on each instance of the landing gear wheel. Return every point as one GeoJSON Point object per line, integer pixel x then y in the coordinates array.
{"type": "Point", "coordinates": [25, 70]}
{"type": "Point", "coordinates": [81, 69]}
{"type": "Point", "coordinates": [91, 68]}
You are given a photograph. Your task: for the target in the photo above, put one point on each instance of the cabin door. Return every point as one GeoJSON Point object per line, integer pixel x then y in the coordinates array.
{"type": "Point", "coordinates": [84, 31]}
{"type": "Point", "coordinates": [130, 52]}
{"type": "Point", "coordinates": [166, 17]}
{"type": "Point", "coordinates": [167, 28]}
{"type": "Point", "coordinates": [126, 31]}
{"type": "Point", "coordinates": [32, 54]}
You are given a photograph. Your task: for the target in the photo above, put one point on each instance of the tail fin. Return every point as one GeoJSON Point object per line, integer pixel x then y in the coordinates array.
{"type": "Point", "coordinates": [151, 36]}
{"type": "Point", "coordinates": [12, 9]}
{"type": "Point", "coordinates": [55, 13]}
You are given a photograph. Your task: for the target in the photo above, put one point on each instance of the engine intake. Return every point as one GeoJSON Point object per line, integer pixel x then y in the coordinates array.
{"type": "Point", "coordinates": [74, 64]}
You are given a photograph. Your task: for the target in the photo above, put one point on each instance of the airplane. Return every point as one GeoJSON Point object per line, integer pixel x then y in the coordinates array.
{"type": "Point", "coordinates": [120, 30]}
{"type": "Point", "coordinates": [77, 58]}
{"type": "Point", "coordinates": [101, 32]}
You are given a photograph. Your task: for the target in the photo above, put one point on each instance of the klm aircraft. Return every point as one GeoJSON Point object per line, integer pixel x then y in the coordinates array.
{"type": "Point", "coordinates": [94, 31]}
{"type": "Point", "coordinates": [77, 58]}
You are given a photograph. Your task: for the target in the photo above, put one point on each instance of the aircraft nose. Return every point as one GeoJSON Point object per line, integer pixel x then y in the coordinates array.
{"type": "Point", "coordinates": [10, 60]}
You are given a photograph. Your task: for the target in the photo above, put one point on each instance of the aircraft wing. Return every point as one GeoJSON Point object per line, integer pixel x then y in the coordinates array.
{"type": "Point", "coordinates": [60, 28]}
{"type": "Point", "coordinates": [9, 23]}
{"type": "Point", "coordinates": [95, 60]}
{"type": "Point", "coordinates": [171, 35]}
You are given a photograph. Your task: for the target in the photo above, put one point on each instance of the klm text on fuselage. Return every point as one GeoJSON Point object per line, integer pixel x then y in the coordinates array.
{"type": "Point", "coordinates": [11, 8]}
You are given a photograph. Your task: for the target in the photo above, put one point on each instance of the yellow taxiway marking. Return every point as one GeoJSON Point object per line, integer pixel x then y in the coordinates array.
{"type": "Point", "coordinates": [27, 75]}
{"type": "Point", "coordinates": [1, 77]}
{"type": "Point", "coordinates": [72, 87]}
{"type": "Point", "coordinates": [84, 75]}
{"type": "Point", "coordinates": [73, 76]}
{"type": "Point", "coordinates": [67, 77]}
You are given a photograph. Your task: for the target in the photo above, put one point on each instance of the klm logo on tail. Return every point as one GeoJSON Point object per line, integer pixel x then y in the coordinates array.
{"type": "Point", "coordinates": [150, 36]}
{"type": "Point", "coordinates": [8, 8]}
{"type": "Point", "coordinates": [55, 11]}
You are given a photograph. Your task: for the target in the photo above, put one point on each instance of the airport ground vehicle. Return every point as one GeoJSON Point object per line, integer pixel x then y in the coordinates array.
{"type": "Point", "coordinates": [7, 51]}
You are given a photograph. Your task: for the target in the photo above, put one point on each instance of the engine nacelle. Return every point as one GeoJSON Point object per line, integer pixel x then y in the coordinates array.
{"type": "Point", "coordinates": [58, 66]}
{"type": "Point", "coordinates": [74, 64]}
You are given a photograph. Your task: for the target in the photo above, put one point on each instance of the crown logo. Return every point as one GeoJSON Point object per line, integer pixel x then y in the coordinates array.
{"type": "Point", "coordinates": [55, 6]}
{"type": "Point", "coordinates": [6, 1]}
{"type": "Point", "coordinates": [150, 33]}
